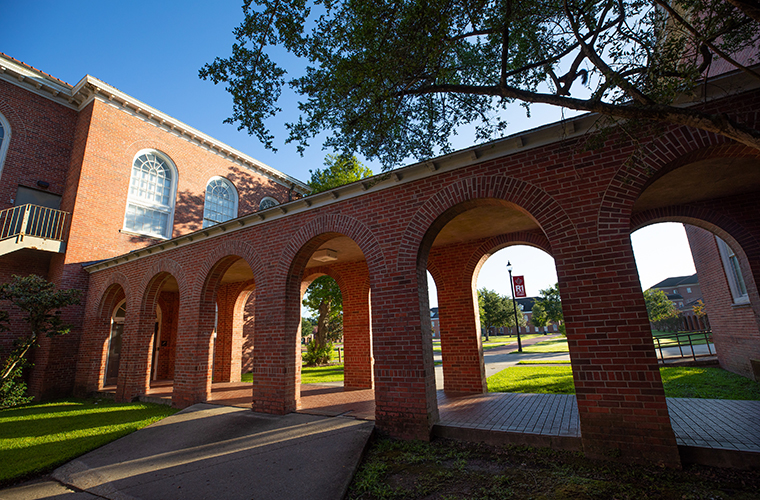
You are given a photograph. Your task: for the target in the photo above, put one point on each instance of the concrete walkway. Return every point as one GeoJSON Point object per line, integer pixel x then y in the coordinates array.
{"type": "Point", "coordinates": [215, 452]}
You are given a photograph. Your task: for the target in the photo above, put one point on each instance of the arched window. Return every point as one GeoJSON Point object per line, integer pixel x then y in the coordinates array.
{"type": "Point", "coordinates": [5, 139]}
{"type": "Point", "coordinates": [150, 204]}
{"type": "Point", "coordinates": [221, 201]}
{"type": "Point", "coordinates": [267, 202]}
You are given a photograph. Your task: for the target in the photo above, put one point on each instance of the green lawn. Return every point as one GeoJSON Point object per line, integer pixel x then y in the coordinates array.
{"type": "Point", "coordinates": [543, 362]}
{"type": "Point", "coordinates": [668, 339]}
{"type": "Point", "coordinates": [556, 345]}
{"type": "Point", "coordinates": [37, 438]}
{"type": "Point", "coordinates": [312, 374]}
{"type": "Point", "coordinates": [679, 382]}
{"type": "Point", "coordinates": [497, 340]}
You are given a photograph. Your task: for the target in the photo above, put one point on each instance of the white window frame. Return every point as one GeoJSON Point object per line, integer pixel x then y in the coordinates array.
{"type": "Point", "coordinates": [268, 198]}
{"type": "Point", "coordinates": [727, 254]}
{"type": "Point", "coordinates": [5, 142]}
{"type": "Point", "coordinates": [154, 206]}
{"type": "Point", "coordinates": [231, 186]}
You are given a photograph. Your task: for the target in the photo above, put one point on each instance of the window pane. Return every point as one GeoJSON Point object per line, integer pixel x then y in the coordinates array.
{"type": "Point", "coordinates": [220, 202]}
{"type": "Point", "coordinates": [145, 220]}
{"type": "Point", "coordinates": [151, 180]}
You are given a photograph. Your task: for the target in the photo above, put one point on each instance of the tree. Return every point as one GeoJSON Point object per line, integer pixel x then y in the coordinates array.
{"type": "Point", "coordinates": [307, 326]}
{"type": "Point", "coordinates": [661, 311]}
{"type": "Point", "coordinates": [340, 170]}
{"type": "Point", "coordinates": [496, 310]}
{"type": "Point", "coordinates": [40, 301]}
{"type": "Point", "coordinates": [395, 79]}
{"type": "Point", "coordinates": [548, 309]}
{"type": "Point", "coordinates": [324, 296]}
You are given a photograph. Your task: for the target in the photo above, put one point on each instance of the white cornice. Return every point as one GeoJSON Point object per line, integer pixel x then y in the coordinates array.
{"type": "Point", "coordinates": [90, 88]}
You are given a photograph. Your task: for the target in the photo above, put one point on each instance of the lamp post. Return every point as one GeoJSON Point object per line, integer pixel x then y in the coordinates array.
{"type": "Point", "coordinates": [514, 305]}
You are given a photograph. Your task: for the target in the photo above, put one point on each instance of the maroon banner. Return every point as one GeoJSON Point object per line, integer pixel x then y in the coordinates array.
{"type": "Point", "coordinates": [519, 283]}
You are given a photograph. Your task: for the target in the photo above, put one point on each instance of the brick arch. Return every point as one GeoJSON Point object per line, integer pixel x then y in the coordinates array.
{"type": "Point", "coordinates": [105, 294]}
{"type": "Point", "coordinates": [309, 237]}
{"type": "Point", "coordinates": [471, 192]}
{"type": "Point", "coordinates": [315, 272]}
{"type": "Point", "coordinates": [219, 260]}
{"type": "Point", "coordinates": [742, 241]}
{"type": "Point", "coordinates": [725, 227]}
{"type": "Point", "coordinates": [154, 277]}
{"type": "Point", "coordinates": [662, 156]}
{"type": "Point", "coordinates": [493, 245]}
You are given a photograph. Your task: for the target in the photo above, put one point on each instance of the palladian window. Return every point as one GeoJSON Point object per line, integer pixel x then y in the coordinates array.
{"type": "Point", "coordinates": [150, 204]}
{"type": "Point", "coordinates": [221, 202]}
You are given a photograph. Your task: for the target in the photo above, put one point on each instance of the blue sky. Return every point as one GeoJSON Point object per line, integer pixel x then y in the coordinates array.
{"type": "Point", "coordinates": [153, 51]}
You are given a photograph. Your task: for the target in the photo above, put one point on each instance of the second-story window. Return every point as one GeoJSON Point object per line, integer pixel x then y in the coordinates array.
{"type": "Point", "coordinates": [733, 272]}
{"type": "Point", "coordinates": [150, 204]}
{"type": "Point", "coordinates": [221, 202]}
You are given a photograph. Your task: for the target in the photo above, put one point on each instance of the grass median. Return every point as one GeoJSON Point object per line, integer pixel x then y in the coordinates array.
{"type": "Point", "coordinates": [36, 438]}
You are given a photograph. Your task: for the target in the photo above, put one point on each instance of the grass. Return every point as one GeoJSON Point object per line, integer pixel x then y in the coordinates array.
{"type": "Point", "coordinates": [36, 438]}
{"type": "Point", "coordinates": [447, 469]}
{"type": "Point", "coordinates": [543, 362]}
{"type": "Point", "coordinates": [679, 382]}
{"type": "Point", "coordinates": [669, 339]}
{"type": "Point", "coordinates": [497, 340]}
{"type": "Point", "coordinates": [312, 374]}
{"type": "Point", "coordinates": [556, 345]}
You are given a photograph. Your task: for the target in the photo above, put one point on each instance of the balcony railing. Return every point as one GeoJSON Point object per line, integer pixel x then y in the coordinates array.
{"type": "Point", "coordinates": [32, 226]}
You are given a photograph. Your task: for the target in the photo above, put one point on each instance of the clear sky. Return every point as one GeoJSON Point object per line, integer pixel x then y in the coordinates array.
{"type": "Point", "coordinates": [153, 51]}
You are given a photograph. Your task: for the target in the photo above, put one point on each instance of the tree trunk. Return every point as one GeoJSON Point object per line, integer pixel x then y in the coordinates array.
{"type": "Point", "coordinates": [320, 339]}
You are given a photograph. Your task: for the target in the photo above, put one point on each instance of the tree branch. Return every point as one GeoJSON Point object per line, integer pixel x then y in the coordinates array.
{"type": "Point", "coordinates": [719, 124]}
{"type": "Point", "coordinates": [708, 43]}
{"type": "Point", "coordinates": [597, 61]}
{"type": "Point", "coordinates": [751, 8]}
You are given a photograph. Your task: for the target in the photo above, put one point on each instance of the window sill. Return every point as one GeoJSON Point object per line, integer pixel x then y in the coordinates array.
{"type": "Point", "coordinates": [743, 302]}
{"type": "Point", "coordinates": [143, 235]}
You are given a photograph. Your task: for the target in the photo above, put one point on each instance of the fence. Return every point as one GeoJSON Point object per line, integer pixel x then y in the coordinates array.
{"type": "Point", "coordinates": [32, 220]}
{"type": "Point", "coordinates": [683, 340]}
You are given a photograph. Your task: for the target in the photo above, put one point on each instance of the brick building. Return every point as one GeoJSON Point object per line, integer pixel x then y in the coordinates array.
{"type": "Point", "coordinates": [724, 277]}
{"type": "Point", "coordinates": [683, 291]}
{"type": "Point", "coordinates": [110, 175]}
{"type": "Point", "coordinates": [377, 237]}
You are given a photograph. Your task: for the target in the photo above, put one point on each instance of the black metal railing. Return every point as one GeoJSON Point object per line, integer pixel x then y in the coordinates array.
{"type": "Point", "coordinates": [685, 340]}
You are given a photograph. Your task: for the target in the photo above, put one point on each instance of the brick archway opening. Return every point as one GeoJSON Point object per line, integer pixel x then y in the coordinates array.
{"type": "Point", "coordinates": [111, 324]}
{"type": "Point", "coordinates": [339, 257]}
{"type": "Point", "coordinates": [723, 229]}
{"type": "Point", "coordinates": [227, 311]}
{"type": "Point", "coordinates": [453, 249]}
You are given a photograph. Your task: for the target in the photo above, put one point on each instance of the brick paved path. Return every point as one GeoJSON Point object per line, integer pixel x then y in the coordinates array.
{"type": "Point", "coordinates": [536, 419]}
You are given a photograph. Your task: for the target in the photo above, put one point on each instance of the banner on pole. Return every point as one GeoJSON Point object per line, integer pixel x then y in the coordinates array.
{"type": "Point", "coordinates": [519, 283]}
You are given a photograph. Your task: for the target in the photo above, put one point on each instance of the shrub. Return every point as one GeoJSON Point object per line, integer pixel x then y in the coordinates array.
{"type": "Point", "coordinates": [13, 390]}
{"type": "Point", "coordinates": [316, 355]}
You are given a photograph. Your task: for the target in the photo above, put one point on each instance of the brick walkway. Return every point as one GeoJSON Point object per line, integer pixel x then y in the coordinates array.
{"type": "Point", "coordinates": [534, 419]}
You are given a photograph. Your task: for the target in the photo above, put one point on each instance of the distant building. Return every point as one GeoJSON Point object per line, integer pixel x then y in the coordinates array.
{"type": "Point", "coordinates": [683, 291]}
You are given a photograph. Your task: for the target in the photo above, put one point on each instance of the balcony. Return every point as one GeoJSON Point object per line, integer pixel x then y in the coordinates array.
{"type": "Point", "coordinates": [33, 227]}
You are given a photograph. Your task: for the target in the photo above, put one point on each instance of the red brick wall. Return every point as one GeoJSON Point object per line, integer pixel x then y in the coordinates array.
{"type": "Point", "coordinates": [734, 326]}
{"type": "Point", "coordinates": [42, 134]}
{"type": "Point", "coordinates": [86, 157]}
{"type": "Point", "coordinates": [583, 203]}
